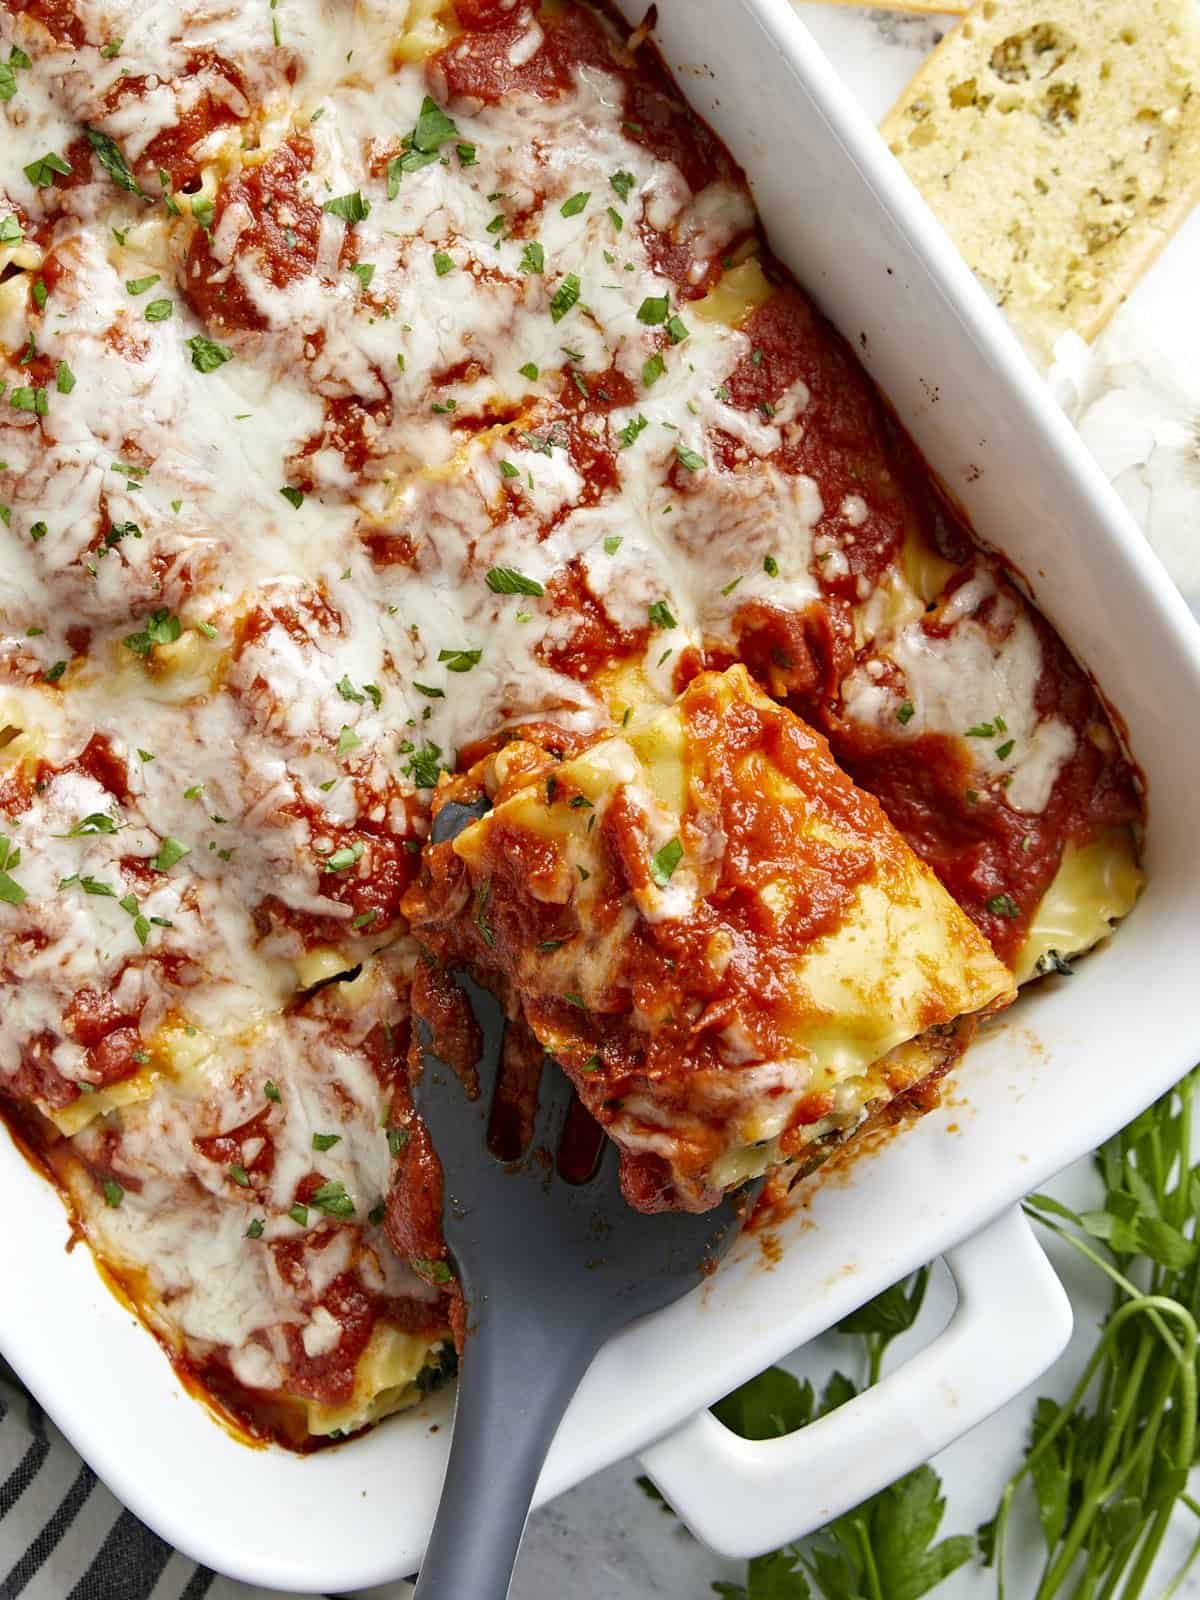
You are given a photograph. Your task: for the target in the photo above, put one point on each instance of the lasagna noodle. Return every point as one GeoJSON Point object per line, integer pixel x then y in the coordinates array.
{"type": "Point", "coordinates": [722, 941]}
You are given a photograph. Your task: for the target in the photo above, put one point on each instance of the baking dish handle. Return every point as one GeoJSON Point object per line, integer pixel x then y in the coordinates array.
{"type": "Point", "coordinates": [744, 1497]}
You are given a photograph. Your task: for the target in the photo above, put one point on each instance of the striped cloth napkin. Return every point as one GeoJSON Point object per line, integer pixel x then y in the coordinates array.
{"type": "Point", "coordinates": [64, 1537]}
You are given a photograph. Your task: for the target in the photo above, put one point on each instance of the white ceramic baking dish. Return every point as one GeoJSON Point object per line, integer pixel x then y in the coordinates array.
{"type": "Point", "coordinates": [1064, 1068]}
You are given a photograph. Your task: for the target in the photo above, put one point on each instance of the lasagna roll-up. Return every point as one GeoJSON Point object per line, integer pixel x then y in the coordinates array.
{"type": "Point", "coordinates": [723, 941]}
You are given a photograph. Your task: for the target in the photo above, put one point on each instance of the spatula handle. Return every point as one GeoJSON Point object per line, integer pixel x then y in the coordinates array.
{"type": "Point", "coordinates": [511, 1398]}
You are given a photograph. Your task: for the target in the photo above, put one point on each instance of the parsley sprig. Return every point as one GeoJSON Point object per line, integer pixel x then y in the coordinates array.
{"type": "Point", "coordinates": [1109, 1466]}
{"type": "Point", "coordinates": [883, 1549]}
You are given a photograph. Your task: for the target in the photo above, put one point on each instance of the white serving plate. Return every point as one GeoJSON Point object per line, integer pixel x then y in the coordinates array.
{"type": "Point", "coordinates": [1068, 1066]}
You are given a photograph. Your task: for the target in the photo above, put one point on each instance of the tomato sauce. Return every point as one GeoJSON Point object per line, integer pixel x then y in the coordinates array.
{"type": "Point", "coordinates": [283, 233]}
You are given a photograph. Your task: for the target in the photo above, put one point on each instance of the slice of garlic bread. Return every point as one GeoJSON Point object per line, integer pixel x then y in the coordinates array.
{"type": "Point", "coordinates": [1059, 143]}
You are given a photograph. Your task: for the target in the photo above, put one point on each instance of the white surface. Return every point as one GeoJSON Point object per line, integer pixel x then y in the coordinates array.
{"type": "Point", "coordinates": [1049, 1082]}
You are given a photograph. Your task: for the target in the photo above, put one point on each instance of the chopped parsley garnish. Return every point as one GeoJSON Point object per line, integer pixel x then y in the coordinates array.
{"type": "Point", "coordinates": [770, 566]}
{"type": "Point", "coordinates": [906, 713]}
{"type": "Point", "coordinates": [1003, 905]}
{"type": "Point", "coordinates": [140, 285]}
{"type": "Point", "coordinates": [529, 371]}
{"type": "Point", "coordinates": [112, 49]}
{"type": "Point", "coordinates": [64, 378]}
{"type": "Point", "coordinates": [677, 329]}
{"type": "Point", "coordinates": [332, 1199]}
{"type": "Point", "coordinates": [113, 1193]}
{"type": "Point", "coordinates": [660, 615]}
{"type": "Point", "coordinates": [40, 293]}
{"type": "Point", "coordinates": [459, 660]}
{"type": "Point", "coordinates": [613, 543]}
{"type": "Point", "coordinates": [623, 183]}
{"type": "Point", "coordinates": [54, 673]}
{"type": "Point", "coordinates": [96, 822]}
{"type": "Point", "coordinates": [433, 129]}
{"type": "Point", "coordinates": [299, 1214]}
{"type": "Point", "coordinates": [566, 297]}
{"type": "Point", "coordinates": [255, 1230]}
{"type": "Point", "coordinates": [10, 229]}
{"type": "Point", "coordinates": [11, 892]}
{"type": "Point", "coordinates": [325, 1141]}
{"type": "Point", "coordinates": [160, 628]}
{"type": "Point", "coordinates": [507, 470]}
{"type": "Point", "coordinates": [433, 1271]}
{"type": "Point", "coordinates": [1003, 751]}
{"type": "Point", "coordinates": [397, 1138]}
{"type": "Point", "coordinates": [592, 1064]}
{"type": "Point", "coordinates": [533, 258]}
{"type": "Point", "coordinates": [294, 497]}
{"type": "Point", "coordinates": [618, 223]}
{"type": "Point", "coordinates": [731, 585]}
{"type": "Point", "coordinates": [342, 860]}
{"type": "Point", "coordinates": [628, 434]}
{"type": "Point", "coordinates": [365, 919]}
{"type": "Point", "coordinates": [350, 207]}
{"type": "Point", "coordinates": [429, 691]}
{"type": "Point", "coordinates": [239, 1175]}
{"type": "Point", "coordinates": [442, 263]}
{"type": "Point", "coordinates": [364, 271]}
{"type": "Point", "coordinates": [654, 310]}
{"type": "Point", "coordinates": [41, 173]}
{"type": "Point", "coordinates": [170, 852]}
{"type": "Point", "coordinates": [689, 459]}
{"type": "Point", "coordinates": [348, 740]}
{"type": "Point", "coordinates": [424, 765]}
{"type": "Point", "coordinates": [207, 355]}
{"type": "Point", "coordinates": [109, 155]}
{"type": "Point", "coordinates": [664, 862]}
{"type": "Point", "coordinates": [271, 1090]}
{"type": "Point", "coordinates": [30, 398]}
{"type": "Point", "coordinates": [204, 212]}
{"type": "Point", "coordinates": [576, 204]}
{"type": "Point", "coordinates": [505, 580]}
{"type": "Point", "coordinates": [981, 730]}
{"type": "Point", "coordinates": [653, 369]}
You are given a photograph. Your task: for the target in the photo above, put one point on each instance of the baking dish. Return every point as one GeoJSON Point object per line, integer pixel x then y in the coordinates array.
{"type": "Point", "coordinates": [1066, 1068]}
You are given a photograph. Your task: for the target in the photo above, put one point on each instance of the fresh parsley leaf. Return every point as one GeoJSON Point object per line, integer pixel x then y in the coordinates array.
{"type": "Point", "coordinates": [160, 628]}
{"type": "Point", "coordinates": [576, 204]}
{"type": "Point", "coordinates": [506, 580]}
{"type": "Point", "coordinates": [108, 154]}
{"type": "Point", "coordinates": [653, 369]}
{"type": "Point", "coordinates": [207, 355]}
{"type": "Point", "coordinates": [629, 433]}
{"type": "Point", "coordinates": [533, 258]}
{"type": "Point", "coordinates": [660, 615]}
{"type": "Point", "coordinates": [566, 297]}
{"type": "Point", "coordinates": [663, 862]}
{"type": "Point", "coordinates": [41, 173]}
{"type": "Point", "coordinates": [654, 310]}
{"type": "Point", "coordinates": [350, 207]}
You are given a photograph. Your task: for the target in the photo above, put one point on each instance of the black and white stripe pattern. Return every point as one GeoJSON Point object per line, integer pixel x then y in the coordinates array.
{"type": "Point", "coordinates": [64, 1537]}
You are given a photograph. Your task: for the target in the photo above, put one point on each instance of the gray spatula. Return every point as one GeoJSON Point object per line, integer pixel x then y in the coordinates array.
{"type": "Point", "coordinates": [550, 1269]}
